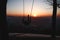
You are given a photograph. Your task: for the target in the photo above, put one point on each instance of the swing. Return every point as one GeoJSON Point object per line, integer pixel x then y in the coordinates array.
{"type": "Point", "coordinates": [28, 21]}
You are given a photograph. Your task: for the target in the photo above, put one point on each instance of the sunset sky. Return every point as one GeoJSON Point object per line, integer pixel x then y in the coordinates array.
{"type": "Point", "coordinates": [40, 8]}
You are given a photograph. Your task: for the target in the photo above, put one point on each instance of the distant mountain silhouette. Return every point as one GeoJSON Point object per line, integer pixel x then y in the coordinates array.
{"type": "Point", "coordinates": [38, 25]}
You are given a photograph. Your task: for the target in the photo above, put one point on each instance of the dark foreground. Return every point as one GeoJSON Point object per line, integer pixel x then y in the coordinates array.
{"type": "Point", "coordinates": [19, 36]}
{"type": "Point", "coordinates": [33, 38]}
{"type": "Point", "coordinates": [39, 25]}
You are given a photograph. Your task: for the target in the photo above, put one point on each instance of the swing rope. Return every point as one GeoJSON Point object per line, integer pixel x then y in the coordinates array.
{"type": "Point", "coordinates": [29, 18]}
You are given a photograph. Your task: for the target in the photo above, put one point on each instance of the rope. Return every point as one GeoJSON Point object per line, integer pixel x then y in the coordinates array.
{"type": "Point", "coordinates": [32, 7]}
{"type": "Point", "coordinates": [23, 7]}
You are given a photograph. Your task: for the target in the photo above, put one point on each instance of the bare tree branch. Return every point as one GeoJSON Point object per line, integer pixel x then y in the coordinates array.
{"type": "Point", "coordinates": [51, 3]}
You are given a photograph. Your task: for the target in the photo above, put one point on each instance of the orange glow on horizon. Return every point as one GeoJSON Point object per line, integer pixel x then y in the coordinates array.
{"type": "Point", "coordinates": [32, 15]}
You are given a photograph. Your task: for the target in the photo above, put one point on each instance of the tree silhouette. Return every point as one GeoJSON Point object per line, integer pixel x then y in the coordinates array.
{"type": "Point", "coordinates": [3, 24]}
{"type": "Point", "coordinates": [55, 4]}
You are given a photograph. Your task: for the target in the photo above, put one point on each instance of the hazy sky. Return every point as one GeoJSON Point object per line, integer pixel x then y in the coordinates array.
{"type": "Point", "coordinates": [40, 7]}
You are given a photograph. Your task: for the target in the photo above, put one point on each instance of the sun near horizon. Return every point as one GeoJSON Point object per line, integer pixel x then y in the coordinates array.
{"type": "Point", "coordinates": [34, 15]}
